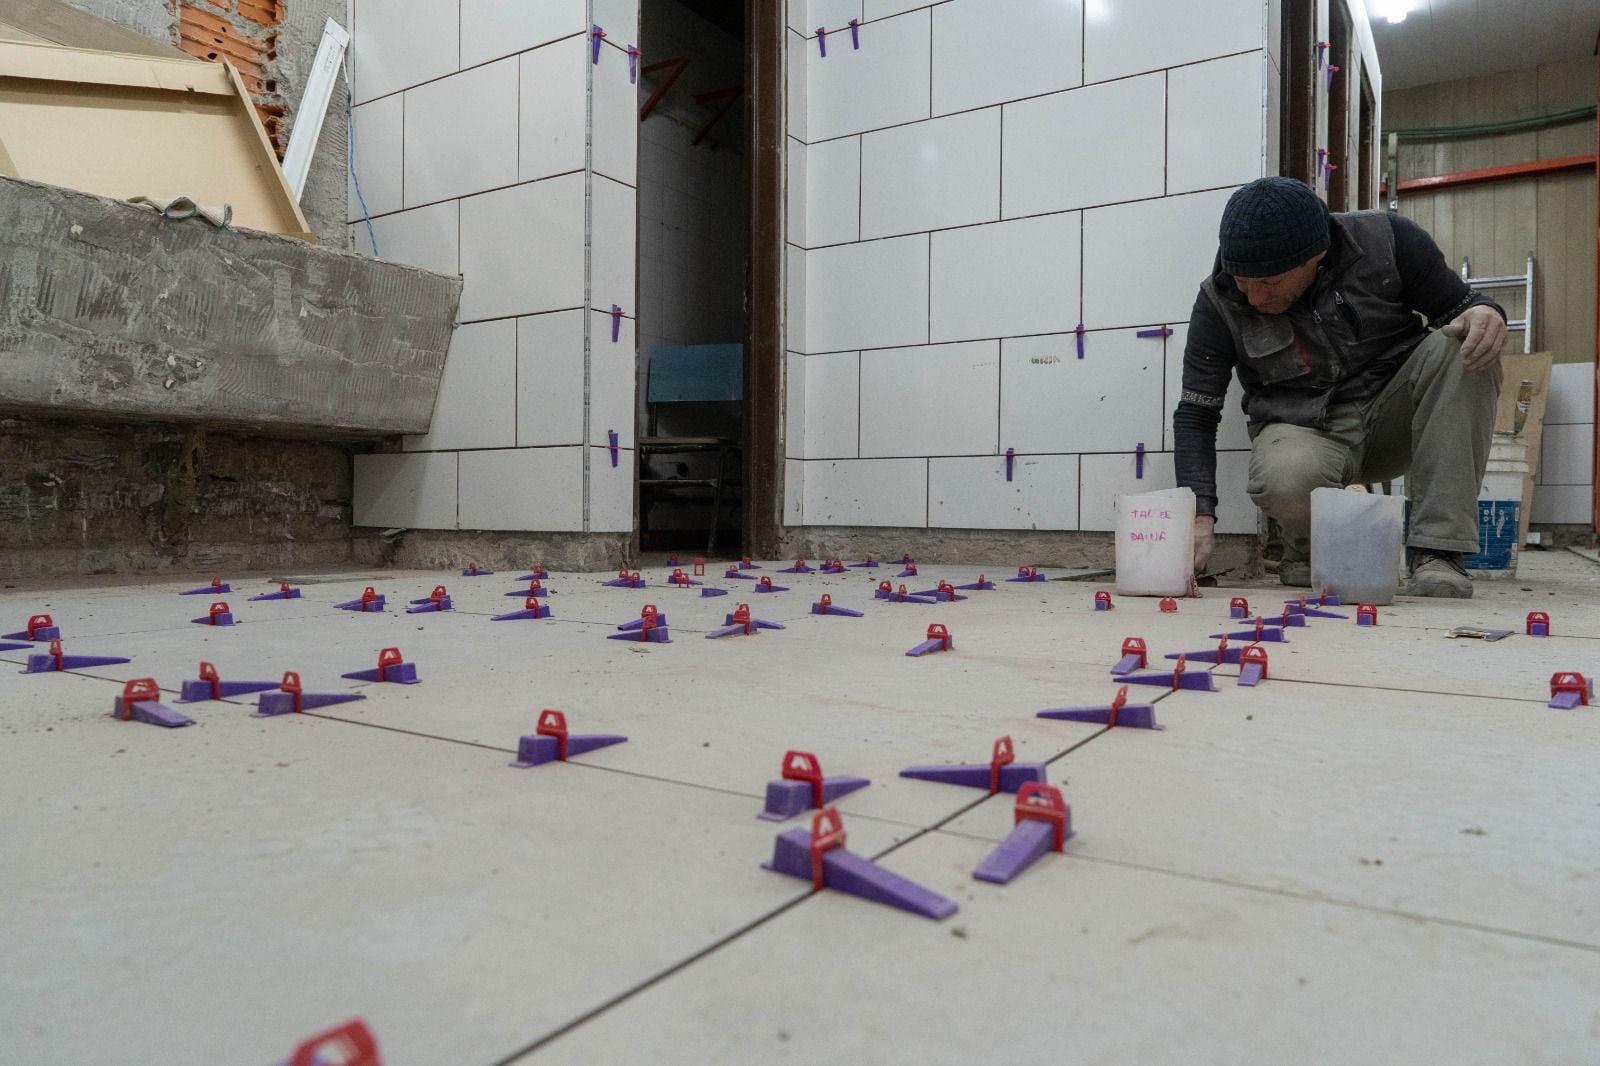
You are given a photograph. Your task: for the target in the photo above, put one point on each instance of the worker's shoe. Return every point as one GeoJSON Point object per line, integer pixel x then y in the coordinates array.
{"type": "Point", "coordinates": [1438, 573]}
{"type": "Point", "coordinates": [1293, 570]}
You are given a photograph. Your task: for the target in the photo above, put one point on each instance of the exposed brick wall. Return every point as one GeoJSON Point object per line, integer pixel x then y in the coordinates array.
{"type": "Point", "coordinates": [245, 32]}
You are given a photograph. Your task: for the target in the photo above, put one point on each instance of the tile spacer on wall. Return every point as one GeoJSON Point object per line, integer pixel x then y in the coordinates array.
{"type": "Point", "coordinates": [616, 323]}
{"type": "Point", "coordinates": [1011, 461]}
{"type": "Point", "coordinates": [1079, 331]}
{"type": "Point", "coordinates": [822, 42]}
{"type": "Point", "coordinates": [1159, 331]}
{"type": "Point", "coordinates": [633, 64]}
{"type": "Point", "coordinates": [597, 35]}
{"type": "Point", "coordinates": [855, 34]}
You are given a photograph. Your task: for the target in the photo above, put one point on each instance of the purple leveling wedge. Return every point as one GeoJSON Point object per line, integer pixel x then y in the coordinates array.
{"type": "Point", "coordinates": [891, 594]}
{"type": "Point", "coordinates": [539, 573]}
{"type": "Point", "coordinates": [40, 627]}
{"type": "Point", "coordinates": [216, 588]}
{"type": "Point", "coordinates": [1537, 624]}
{"type": "Point", "coordinates": [1119, 713]}
{"type": "Point", "coordinates": [437, 600]}
{"type": "Point", "coordinates": [649, 628]}
{"type": "Point", "coordinates": [1261, 634]}
{"type": "Point", "coordinates": [531, 609]}
{"type": "Point", "coordinates": [1002, 773]}
{"type": "Point", "coordinates": [53, 661]}
{"type": "Point", "coordinates": [473, 570]}
{"type": "Point", "coordinates": [938, 640]}
{"type": "Point", "coordinates": [551, 742]}
{"type": "Point", "coordinates": [802, 787]}
{"type": "Point", "coordinates": [833, 566]}
{"type": "Point", "coordinates": [217, 615]}
{"type": "Point", "coordinates": [1135, 656]}
{"type": "Point", "coordinates": [746, 564]}
{"type": "Point", "coordinates": [983, 584]}
{"type": "Point", "coordinates": [819, 856]}
{"type": "Point", "coordinates": [741, 624]}
{"type": "Point", "coordinates": [944, 592]}
{"type": "Point", "coordinates": [1309, 609]}
{"type": "Point", "coordinates": [210, 686]}
{"type": "Point", "coordinates": [765, 585]}
{"type": "Point", "coordinates": [825, 606]}
{"type": "Point", "coordinates": [1253, 666]}
{"type": "Point", "coordinates": [736, 618]}
{"type": "Point", "coordinates": [909, 571]}
{"type": "Point", "coordinates": [1028, 574]}
{"type": "Point", "coordinates": [1178, 679]}
{"type": "Point", "coordinates": [1222, 653]}
{"type": "Point", "coordinates": [291, 698]}
{"type": "Point", "coordinates": [368, 601]}
{"type": "Point", "coordinates": [535, 588]}
{"type": "Point", "coordinates": [707, 593]}
{"type": "Point", "coordinates": [141, 702]}
{"type": "Point", "coordinates": [1288, 619]}
{"type": "Point", "coordinates": [392, 669]}
{"type": "Point", "coordinates": [1569, 690]}
{"type": "Point", "coordinates": [1042, 823]}
{"type": "Point", "coordinates": [734, 573]}
{"type": "Point", "coordinates": [867, 564]}
{"type": "Point", "coordinates": [799, 567]}
{"type": "Point", "coordinates": [679, 579]}
{"type": "Point", "coordinates": [285, 592]}
{"type": "Point", "coordinates": [16, 647]}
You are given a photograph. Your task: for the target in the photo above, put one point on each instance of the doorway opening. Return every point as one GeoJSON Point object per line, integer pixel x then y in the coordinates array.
{"type": "Point", "coordinates": [694, 255]}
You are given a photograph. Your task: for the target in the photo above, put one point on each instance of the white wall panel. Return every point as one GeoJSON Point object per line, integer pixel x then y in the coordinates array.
{"type": "Point", "coordinates": [833, 192]}
{"type": "Point", "coordinates": [616, 119]}
{"type": "Point", "coordinates": [1006, 278]}
{"type": "Point", "coordinates": [869, 295]}
{"type": "Point", "coordinates": [522, 489]}
{"type": "Point", "coordinates": [407, 490]}
{"type": "Point", "coordinates": [934, 400]}
{"type": "Point", "coordinates": [522, 249]}
{"type": "Point", "coordinates": [613, 380]}
{"type": "Point", "coordinates": [1123, 37]}
{"type": "Point", "coordinates": [1110, 400]}
{"type": "Point", "coordinates": [1214, 126]}
{"type": "Point", "coordinates": [553, 117]}
{"type": "Point", "coordinates": [866, 492]}
{"type": "Point", "coordinates": [427, 237]}
{"type": "Point", "coordinates": [973, 493]}
{"type": "Point", "coordinates": [461, 134]}
{"type": "Point", "coordinates": [1096, 145]}
{"type": "Point", "coordinates": [550, 379]}
{"type": "Point", "coordinates": [1144, 261]}
{"type": "Point", "coordinates": [930, 175]}
{"type": "Point", "coordinates": [884, 83]}
{"type": "Point", "coordinates": [379, 133]}
{"type": "Point", "coordinates": [986, 53]}
{"type": "Point", "coordinates": [611, 490]}
{"type": "Point", "coordinates": [832, 405]}
{"type": "Point", "coordinates": [613, 256]}
{"type": "Point", "coordinates": [396, 44]}
{"type": "Point", "coordinates": [477, 404]}
{"type": "Point", "coordinates": [491, 29]}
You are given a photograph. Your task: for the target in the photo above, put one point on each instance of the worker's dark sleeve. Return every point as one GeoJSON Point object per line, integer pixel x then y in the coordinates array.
{"type": "Point", "coordinates": [1428, 285]}
{"type": "Point", "coordinates": [1208, 360]}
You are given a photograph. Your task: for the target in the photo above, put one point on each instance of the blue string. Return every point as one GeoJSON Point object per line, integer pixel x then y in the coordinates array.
{"type": "Point", "coordinates": [350, 162]}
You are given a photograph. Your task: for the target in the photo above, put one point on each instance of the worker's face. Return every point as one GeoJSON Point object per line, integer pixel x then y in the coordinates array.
{"type": "Point", "coordinates": [1276, 294]}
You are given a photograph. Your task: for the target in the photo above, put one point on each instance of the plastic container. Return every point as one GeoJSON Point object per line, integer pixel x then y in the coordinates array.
{"type": "Point", "coordinates": [1500, 509]}
{"type": "Point", "coordinates": [1356, 544]}
{"type": "Point", "coordinates": [1155, 543]}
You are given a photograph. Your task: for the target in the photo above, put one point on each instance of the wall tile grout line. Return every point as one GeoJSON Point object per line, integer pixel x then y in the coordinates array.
{"type": "Point", "coordinates": [463, 70]}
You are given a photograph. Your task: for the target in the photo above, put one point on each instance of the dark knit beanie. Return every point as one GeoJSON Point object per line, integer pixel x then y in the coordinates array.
{"type": "Point", "coordinates": [1270, 226]}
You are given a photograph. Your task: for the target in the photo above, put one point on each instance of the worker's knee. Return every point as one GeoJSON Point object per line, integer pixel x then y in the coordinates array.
{"type": "Point", "coordinates": [1286, 465]}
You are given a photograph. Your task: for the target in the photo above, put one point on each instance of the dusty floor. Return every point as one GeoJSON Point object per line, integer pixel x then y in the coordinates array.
{"type": "Point", "coordinates": [1388, 851]}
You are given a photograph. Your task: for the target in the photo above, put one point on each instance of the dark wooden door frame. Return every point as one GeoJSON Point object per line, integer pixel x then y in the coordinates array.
{"type": "Point", "coordinates": [764, 346]}
{"type": "Point", "coordinates": [1297, 148]}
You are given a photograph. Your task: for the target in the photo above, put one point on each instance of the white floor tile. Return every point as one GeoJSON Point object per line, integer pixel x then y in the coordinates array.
{"type": "Point", "coordinates": [936, 400]}
{"type": "Point", "coordinates": [929, 175]}
{"type": "Point", "coordinates": [869, 295]}
{"type": "Point", "coordinates": [613, 381]}
{"type": "Point", "coordinates": [984, 53]}
{"type": "Point", "coordinates": [1006, 278]}
{"type": "Point", "coordinates": [477, 405]}
{"type": "Point", "coordinates": [973, 493]}
{"type": "Point", "coordinates": [612, 255]}
{"type": "Point", "coordinates": [866, 492]}
{"type": "Point", "coordinates": [1571, 397]}
{"type": "Point", "coordinates": [883, 83]}
{"type": "Point", "coordinates": [396, 44]}
{"type": "Point", "coordinates": [1214, 123]}
{"type": "Point", "coordinates": [522, 489]}
{"type": "Point", "coordinates": [833, 192]}
{"type": "Point", "coordinates": [832, 405]}
{"type": "Point", "coordinates": [461, 134]}
{"type": "Point", "coordinates": [427, 237]}
{"type": "Point", "coordinates": [616, 119]}
{"type": "Point", "coordinates": [553, 117]}
{"type": "Point", "coordinates": [409, 490]}
{"type": "Point", "coordinates": [1168, 244]}
{"type": "Point", "coordinates": [1110, 400]}
{"type": "Point", "coordinates": [550, 379]}
{"type": "Point", "coordinates": [522, 249]}
{"type": "Point", "coordinates": [611, 491]}
{"type": "Point", "coordinates": [1132, 36]}
{"type": "Point", "coordinates": [1234, 432]}
{"type": "Point", "coordinates": [491, 29]}
{"type": "Point", "coordinates": [1568, 455]}
{"type": "Point", "coordinates": [1094, 145]}
{"type": "Point", "coordinates": [379, 131]}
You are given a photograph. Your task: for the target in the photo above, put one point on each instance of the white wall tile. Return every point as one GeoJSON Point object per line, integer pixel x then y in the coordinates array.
{"type": "Point", "coordinates": [1095, 145]}
{"type": "Point", "coordinates": [936, 400]}
{"type": "Point", "coordinates": [1005, 278]}
{"type": "Point", "coordinates": [1571, 396]}
{"type": "Point", "coordinates": [1132, 36]}
{"type": "Point", "coordinates": [883, 83]}
{"type": "Point", "coordinates": [1568, 455]}
{"type": "Point", "coordinates": [612, 256]}
{"type": "Point", "coordinates": [1234, 432]}
{"type": "Point", "coordinates": [795, 306]}
{"type": "Point", "coordinates": [973, 493]}
{"type": "Point", "coordinates": [870, 295]}
{"type": "Point", "coordinates": [611, 490]}
{"type": "Point", "coordinates": [427, 237]}
{"type": "Point", "coordinates": [794, 489]}
{"type": "Point", "coordinates": [794, 192]}
{"type": "Point", "coordinates": [461, 134]}
{"type": "Point", "coordinates": [930, 175]}
{"type": "Point", "coordinates": [833, 404]}
{"type": "Point", "coordinates": [984, 53]}
{"type": "Point", "coordinates": [477, 404]}
{"type": "Point", "coordinates": [1110, 400]}
{"type": "Point", "coordinates": [522, 249]}
{"type": "Point", "coordinates": [794, 406]}
{"type": "Point", "coordinates": [378, 133]}
{"type": "Point", "coordinates": [877, 9]}
{"type": "Point", "coordinates": [613, 380]}
{"type": "Point", "coordinates": [396, 44]}
{"type": "Point", "coordinates": [1558, 505]}
{"type": "Point", "coordinates": [1214, 123]}
{"type": "Point", "coordinates": [620, 20]}
{"type": "Point", "coordinates": [833, 192]}
{"type": "Point", "coordinates": [796, 104]}
{"type": "Point", "coordinates": [866, 492]}
{"type": "Point", "coordinates": [616, 119]}
{"type": "Point", "coordinates": [804, 16]}
{"type": "Point", "coordinates": [522, 489]}
{"type": "Point", "coordinates": [411, 490]}
{"type": "Point", "coordinates": [554, 109]}
{"type": "Point", "coordinates": [550, 379]}
{"type": "Point", "coordinates": [1168, 245]}
{"type": "Point", "coordinates": [491, 29]}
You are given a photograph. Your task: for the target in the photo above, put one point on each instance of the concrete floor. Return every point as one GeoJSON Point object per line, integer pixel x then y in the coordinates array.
{"type": "Point", "coordinates": [1389, 851]}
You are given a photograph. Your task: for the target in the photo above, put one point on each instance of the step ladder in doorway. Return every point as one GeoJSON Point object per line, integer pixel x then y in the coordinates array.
{"type": "Point", "coordinates": [1509, 281]}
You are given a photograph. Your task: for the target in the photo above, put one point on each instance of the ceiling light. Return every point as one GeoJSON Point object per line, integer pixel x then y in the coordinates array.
{"type": "Point", "coordinates": [1393, 10]}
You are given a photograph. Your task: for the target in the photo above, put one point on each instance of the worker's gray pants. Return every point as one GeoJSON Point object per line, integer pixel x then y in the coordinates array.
{"type": "Point", "coordinates": [1432, 423]}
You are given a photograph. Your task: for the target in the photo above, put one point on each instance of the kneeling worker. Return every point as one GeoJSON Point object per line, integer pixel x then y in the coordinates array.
{"type": "Point", "coordinates": [1362, 357]}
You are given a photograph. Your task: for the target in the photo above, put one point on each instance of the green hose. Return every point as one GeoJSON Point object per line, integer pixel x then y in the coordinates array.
{"type": "Point", "coordinates": [1576, 114]}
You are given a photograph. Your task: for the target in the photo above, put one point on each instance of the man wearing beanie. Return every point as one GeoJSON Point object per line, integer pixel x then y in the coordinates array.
{"type": "Point", "coordinates": [1362, 357]}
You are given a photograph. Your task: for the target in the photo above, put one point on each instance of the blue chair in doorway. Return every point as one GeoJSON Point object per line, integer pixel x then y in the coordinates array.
{"type": "Point", "coordinates": [685, 377]}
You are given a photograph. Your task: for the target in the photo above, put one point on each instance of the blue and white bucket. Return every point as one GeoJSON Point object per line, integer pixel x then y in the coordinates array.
{"type": "Point", "coordinates": [1500, 509]}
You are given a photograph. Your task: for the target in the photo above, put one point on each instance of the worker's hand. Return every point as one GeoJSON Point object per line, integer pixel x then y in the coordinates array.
{"type": "Point", "coordinates": [1205, 541]}
{"type": "Point", "coordinates": [1483, 336]}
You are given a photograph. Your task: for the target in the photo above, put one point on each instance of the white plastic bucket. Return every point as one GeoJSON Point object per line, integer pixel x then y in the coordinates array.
{"type": "Point", "coordinates": [1500, 509]}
